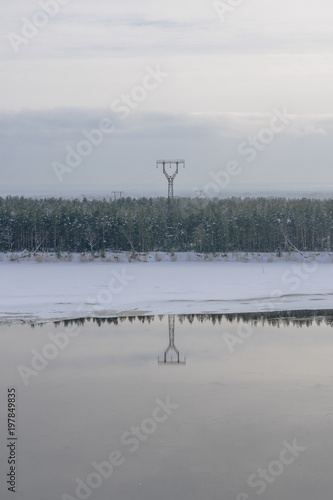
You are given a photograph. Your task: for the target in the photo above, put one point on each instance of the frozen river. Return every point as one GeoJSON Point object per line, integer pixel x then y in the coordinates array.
{"type": "Point", "coordinates": [43, 292]}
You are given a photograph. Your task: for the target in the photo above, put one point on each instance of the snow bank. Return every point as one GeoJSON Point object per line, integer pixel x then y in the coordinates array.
{"type": "Point", "coordinates": [47, 291]}
{"type": "Point", "coordinates": [125, 257]}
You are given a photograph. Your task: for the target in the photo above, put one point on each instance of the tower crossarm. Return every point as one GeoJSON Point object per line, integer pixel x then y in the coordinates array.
{"type": "Point", "coordinates": [170, 163]}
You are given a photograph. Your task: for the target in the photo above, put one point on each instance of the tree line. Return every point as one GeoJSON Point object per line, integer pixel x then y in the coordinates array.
{"type": "Point", "coordinates": [143, 224]}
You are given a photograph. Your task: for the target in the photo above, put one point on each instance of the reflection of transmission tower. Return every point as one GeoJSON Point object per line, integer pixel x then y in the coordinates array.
{"type": "Point", "coordinates": [170, 178]}
{"type": "Point", "coordinates": [171, 346]}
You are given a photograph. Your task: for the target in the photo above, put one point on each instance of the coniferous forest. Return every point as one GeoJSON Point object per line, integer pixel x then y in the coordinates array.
{"type": "Point", "coordinates": [141, 225]}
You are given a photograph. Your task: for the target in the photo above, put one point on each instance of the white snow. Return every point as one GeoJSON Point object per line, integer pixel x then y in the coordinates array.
{"type": "Point", "coordinates": [32, 289]}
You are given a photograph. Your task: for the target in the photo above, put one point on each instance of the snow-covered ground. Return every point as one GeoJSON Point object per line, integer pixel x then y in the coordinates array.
{"type": "Point", "coordinates": [39, 257]}
{"type": "Point", "coordinates": [43, 288]}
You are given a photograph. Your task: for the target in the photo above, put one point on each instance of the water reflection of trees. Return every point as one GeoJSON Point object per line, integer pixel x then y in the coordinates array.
{"type": "Point", "coordinates": [281, 318]}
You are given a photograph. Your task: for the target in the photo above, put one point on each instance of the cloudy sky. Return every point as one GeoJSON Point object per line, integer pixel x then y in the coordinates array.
{"type": "Point", "coordinates": [202, 80]}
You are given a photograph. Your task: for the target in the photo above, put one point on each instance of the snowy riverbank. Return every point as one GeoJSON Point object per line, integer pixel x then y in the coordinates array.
{"type": "Point", "coordinates": [47, 291]}
{"type": "Point", "coordinates": [125, 257]}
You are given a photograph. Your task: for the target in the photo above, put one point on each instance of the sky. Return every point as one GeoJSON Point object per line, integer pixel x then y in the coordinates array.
{"type": "Point", "coordinates": [93, 93]}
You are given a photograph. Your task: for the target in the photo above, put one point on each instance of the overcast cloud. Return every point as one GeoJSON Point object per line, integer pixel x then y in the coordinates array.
{"type": "Point", "coordinates": [221, 81]}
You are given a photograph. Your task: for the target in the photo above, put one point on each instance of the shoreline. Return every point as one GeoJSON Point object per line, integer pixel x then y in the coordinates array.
{"type": "Point", "coordinates": [47, 292]}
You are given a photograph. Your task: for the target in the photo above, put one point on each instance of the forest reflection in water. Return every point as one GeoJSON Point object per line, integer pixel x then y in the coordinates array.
{"type": "Point", "coordinates": [298, 318]}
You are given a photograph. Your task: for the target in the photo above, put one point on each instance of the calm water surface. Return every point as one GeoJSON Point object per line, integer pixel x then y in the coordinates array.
{"type": "Point", "coordinates": [247, 415]}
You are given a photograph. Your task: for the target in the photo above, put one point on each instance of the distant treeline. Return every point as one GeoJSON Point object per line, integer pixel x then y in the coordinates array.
{"type": "Point", "coordinates": [141, 225]}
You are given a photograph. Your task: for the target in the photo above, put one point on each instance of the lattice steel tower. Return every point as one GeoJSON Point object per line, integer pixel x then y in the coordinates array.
{"type": "Point", "coordinates": [170, 177]}
{"type": "Point", "coordinates": [171, 346]}
{"type": "Point", "coordinates": [117, 194]}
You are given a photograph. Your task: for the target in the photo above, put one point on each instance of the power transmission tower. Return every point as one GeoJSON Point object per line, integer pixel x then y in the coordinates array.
{"type": "Point", "coordinates": [117, 194]}
{"type": "Point", "coordinates": [171, 346]}
{"type": "Point", "coordinates": [170, 178]}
